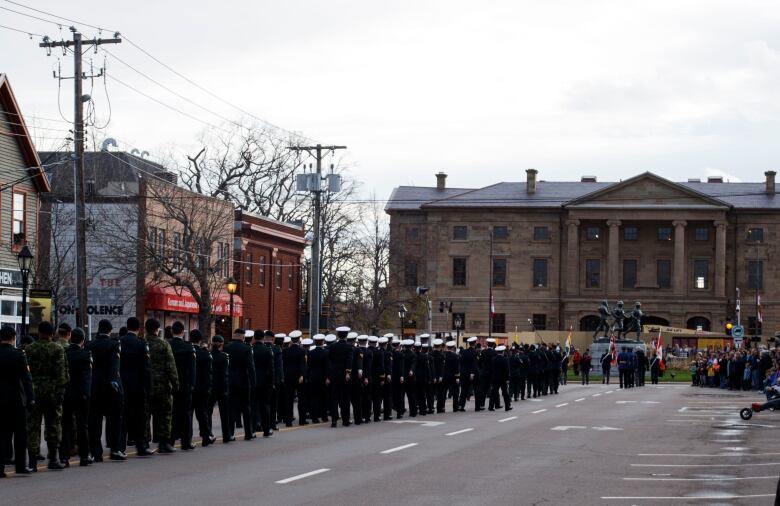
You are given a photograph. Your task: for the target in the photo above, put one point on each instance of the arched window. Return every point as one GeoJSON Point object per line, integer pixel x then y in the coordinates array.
{"type": "Point", "coordinates": [698, 321]}
{"type": "Point", "coordinates": [655, 320]}
{"type": "Point", "coordinates": [589, 323]}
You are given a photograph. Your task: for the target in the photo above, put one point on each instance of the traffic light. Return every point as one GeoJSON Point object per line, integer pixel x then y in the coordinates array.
{"type": "Point", "coordinates": [729, 325]}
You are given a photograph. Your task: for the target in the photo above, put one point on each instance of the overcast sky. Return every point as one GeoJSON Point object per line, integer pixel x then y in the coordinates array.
{"type": "Point", "coordinates": [480, 90]}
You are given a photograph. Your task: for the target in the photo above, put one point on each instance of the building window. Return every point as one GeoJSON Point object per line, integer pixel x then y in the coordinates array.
{"type": "Point", "coordinates": [460, 233]}
{"type": "Point", "coordinates": [459, 318]}
{"type": "Point", "coordinates": [754, 326]}
{"type": "Point", "coordinates": [459, 272]}
{"type": "Point", "coordinates": [412, 234]}
{"type": "Point", "coordinates": [592, 273]}
{"type": "Point", "coordinates": [499, 323]}
{"type": "Point", "coordinates": [540, 273]}
{"type": "Point", "coordinates": [630, 233]}
{"type": "Point", "coordinates": [291, 277]}
{"type": "Point", "coordinates": [7, 307]}
{"type": "Point", "coordinates": [664, 273]}
{"type": "Point", "coordinates": [592, 233]}
{"type": "Point", "coordinates": [664, 233]}
{"type": "Point", "coordinates": [756, 274]}
{"type": "Point", "coordinates": [410, 272]}
{"type": "Point", "coordinates": [261, 271]}
{"type": "Point", "coordinates": [540, 321]}
{"type": "Point", "coordinates": [701, 271]}
{"type": "Point", "coordinates": [177, 250]}
{"type": "Point", "coordinates": [500, 233]}
{"type": "Point", "coordinates": [248, 268]}
{"type": "Point", "coordinates": [629, 273]}
{"type": "Point", "coordinates": [499, 272]}
{"type": "Point", "coordinates": [278, 274]}
{"type": "Point", "coordinates": [542, 233]}
{"type": "Point", "coordinates": [19, 212]}
{"type": "Point", "coordinates": [701, 234]}
{"type": "Point", "coordinates": [224, 258]}
{"type": "Point", "coordinates": [756, 235]}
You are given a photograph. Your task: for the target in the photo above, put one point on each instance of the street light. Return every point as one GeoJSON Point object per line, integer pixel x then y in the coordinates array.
{"type": "Point", "coordinates": [458, 325]}
{"type": "Point", "coordinates": [25, 259]}
{"type": "Point", "coordinates": [402, 316]}
{"type": "Point", "coordinates": [232, 286]}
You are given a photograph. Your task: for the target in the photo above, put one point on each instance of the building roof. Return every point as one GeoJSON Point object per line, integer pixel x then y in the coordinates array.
{"type": "Point", "coordinates": [555, 194]}
{"type": "Point", "coordinates": [18, 127]}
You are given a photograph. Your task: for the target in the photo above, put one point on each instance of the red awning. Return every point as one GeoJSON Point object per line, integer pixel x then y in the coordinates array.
{"type": "Point", "coordinates": [178, 299]}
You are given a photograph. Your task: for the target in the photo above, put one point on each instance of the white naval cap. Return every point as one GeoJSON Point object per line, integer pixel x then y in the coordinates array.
{"type": "Point", "coordinates": [374, 339]}
{"type": "Point", "coordinates": [501, 348]}
{"type": "Point", "coordinates": [450, 344]}
{"type": "Point", "coordinates": [312, 347]}
{"type": "Point", "coordinates": [343, 329]}
{"type": "Point", "coordinates": [424, 336]}
{"type": "Point", "coordinates": [319, 337]}
{"type": "Point", "coordinates": [362, 337]}
{"type": "Point", "coordinates": [395, 341]}
{"type": "Point", "coordinates": [491, 340]}
{"type": "Point", "coordinates": [352, 335]}
{"type": "Point", "coordinates": [382, 340]}
{"type": "Point", "coordinates": [295, 334]}
{"type": "Point", "coordinates": [287, 339]}
{"type": "Point", "coordinates": [280, 336]}
{"type": "Point", "coordinates": [438, 342]}
{"type": "Point", "coordinates": [307, 342]}
{"type": "Point", "coordinates": [407, 342]}
{"type": "Point", "coordinates": [389, 335]}
{"type": "Point", "coordinates": [417, 344]}
{"type": "Point", "coordinates": [330, 338]}
{"type": "Point", "coordinates": [472, 339]}
{"type": "Point", "coordinates": [249, 333]}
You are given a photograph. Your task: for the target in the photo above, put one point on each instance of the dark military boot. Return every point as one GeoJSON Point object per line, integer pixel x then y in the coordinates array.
{"type": "Point", "coordinates": [33, 463]}
{"type": "Point", "coordinates": [54, 462]}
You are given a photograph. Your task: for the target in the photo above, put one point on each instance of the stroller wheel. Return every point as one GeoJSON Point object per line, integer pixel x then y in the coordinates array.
{"type": "Point", "coordinates": [746, 414]}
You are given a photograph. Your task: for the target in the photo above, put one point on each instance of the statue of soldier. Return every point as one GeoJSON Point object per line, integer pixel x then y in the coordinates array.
{"type": "Point", "coordinates": [619, 315]}
{"type": "Point", "coordinates": [603, 315]}
{"type": "Point", "coordinates": [635, 321]}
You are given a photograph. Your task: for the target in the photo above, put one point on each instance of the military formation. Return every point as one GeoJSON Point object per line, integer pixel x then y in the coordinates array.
{"type": "Point", "coordinates": [145, 388]}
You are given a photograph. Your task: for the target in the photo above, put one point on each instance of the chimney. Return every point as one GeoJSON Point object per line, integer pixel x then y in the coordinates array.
{"type": "Point", "coordinates": [715, 179]}
{"type": "Point", "coordinates": [441, 181]}
{"type": "Point", "coordinates": [770, 181]}
{"type": "Point", "coordinates": [530, 183]}
{"type": "Point", "coordinates": [588, 179]}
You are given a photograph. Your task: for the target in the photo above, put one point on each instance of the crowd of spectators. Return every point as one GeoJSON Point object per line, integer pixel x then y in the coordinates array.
{"type": "Point", "coordinates": [736, 369]}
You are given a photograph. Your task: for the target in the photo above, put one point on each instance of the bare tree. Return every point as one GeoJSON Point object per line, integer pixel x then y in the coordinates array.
{"type": "Point", "coordinates": [58, 222]}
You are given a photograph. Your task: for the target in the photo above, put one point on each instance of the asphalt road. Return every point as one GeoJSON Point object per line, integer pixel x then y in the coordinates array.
{"type": "Point", "coordinates": [669, 444]}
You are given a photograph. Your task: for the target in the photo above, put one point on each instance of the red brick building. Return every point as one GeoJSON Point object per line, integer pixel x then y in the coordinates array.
{"type": "Point", "coordinates": [269, 268]}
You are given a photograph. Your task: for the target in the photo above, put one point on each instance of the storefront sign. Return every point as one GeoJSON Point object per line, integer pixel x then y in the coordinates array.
{"type": "Point", "coordinates": [10, 277]}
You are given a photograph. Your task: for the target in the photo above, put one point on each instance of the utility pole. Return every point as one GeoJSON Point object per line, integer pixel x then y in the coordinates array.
{"type": "Point", "coordinates": [78, 159]}
{"type": "Point", "coordinates": [313, 184]}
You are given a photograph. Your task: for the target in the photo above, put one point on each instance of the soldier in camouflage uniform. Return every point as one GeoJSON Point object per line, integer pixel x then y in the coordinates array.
{"type": "Point", "coordinates": [165, 381]}
{"type": "Point", "coordinates": [49, 371]}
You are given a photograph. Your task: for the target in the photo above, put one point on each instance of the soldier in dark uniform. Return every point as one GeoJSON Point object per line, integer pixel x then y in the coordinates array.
{"type": "Point", "coordinates": [294, 358]}
{"type": "Point", "coordinates": [603, 315]}
{"type": "Point", "coordinates": [366, 383]}
{"type": "Point", "coordinates": [202, 391]}
{"type": "Point", "coordinates": [165, 382]}
{"type": "Point", "coordinates": [277, 401]}
{"type": "Point", "coordinates": [499, 379]}
{"type": "Point", "coordinates": [185, 357]}
{"type": "Point", "coordinates": [641, 367]}
{"type": "Point", "coordinates": [451, 377]}
{"type": "Point", "coordinates": [220, 382]}
{"type": "Point", "coordinates": [536, 364]}
{"type": "Point", "coordinates": [49, 370]}
{"type": "Point", "coordinates": [430, 386]}
{"type": "Point", "coordinates": [606, 366]}
{"type": "Point", "coordinates": [135, 371]}
{"type": "Point", "coordinates": [514, 372]}
{"type": "Point", "coordinates": [423, 377]}
{"type": "Point", "coordinates": [16, 398]}
{"type": "Point", "coordinates": [399, 372]}
{"type": "Point", "coordinates": [524, 365]}
{"type": "Point", "coordinates": [485, 373]}
{"type": "Point", "coordinates": [357, 380]}
{"type": "Point", "coordinates": [410, 365]}
{"type": "Point", "coordinates": [107, 396]}
{"type": "Point", "coordinates": [241, 374]}
{"type": "Point", "coordinates": [263, 358]}
{"type": "Point", "coordinates": [340, 360]}
{"type": "Point", "coordinates": [377, 378]}
{"type": "Point", "coordinates": [555, 376]}
{"type": "Point", "coordinates": [468, 371]}
{"type": "Point", "coordinates": [318, 382]}
{"type": "Point", "coordinates": [386, 386]}
{"type": "Point", "coordinates": [624, 363]}
{"type": "Point", "coordinates": [440, 388]}
{"type": "Point", "coordinates": [76, 403]}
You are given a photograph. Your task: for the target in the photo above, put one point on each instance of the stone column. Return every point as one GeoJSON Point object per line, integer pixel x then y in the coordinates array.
{"type": "Point", "coordinates": [679, 257]}
{"type": "Point", "coordinates": [573, 257]}
{"type": "Point", "coordinates": [613, 259]}
{"type": "Point", "coordinates": [720, 258]}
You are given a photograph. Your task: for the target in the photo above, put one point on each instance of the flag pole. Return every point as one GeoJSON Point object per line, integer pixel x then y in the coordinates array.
{"type": "Point", "coordinates": [490, 288]}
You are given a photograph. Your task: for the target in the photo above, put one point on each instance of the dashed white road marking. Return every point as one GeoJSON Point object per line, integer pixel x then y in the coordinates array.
{"type": "Point", "coordinates": [459, 432]}
{"type": "Point", "coordinates": [705, 464]}
{"type": "Point", "coordinates": [580, 399]}
{"type": "Point", "coordinates": [507, 419]}
{"type": "Point", "coordinates": [538, 411]}
{"type": "Point", "coordinates": [705, 454]}
{"type": "Point", "coordinates": [595, 395]}
{"type": "Point", "coordinates": [708, 497]}
{"type": "Point", "coordinates": [609, 391]}
{"type": "Point", "coordinates": [302, 476]}
{"type": "Point", "coordinates": [568, 427]}
{"type": "Point", "coordinates": [535, 400]}
{"type": "Point", "coordinates": [398, 448]}
{"type": "Point", "coordinates": [705, 479]}
{"type": "Point", "coordinates": [562, 405]}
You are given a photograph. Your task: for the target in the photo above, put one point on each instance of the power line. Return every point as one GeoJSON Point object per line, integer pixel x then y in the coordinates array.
{"type": "Point", "coordinates": [32, 125]}
{"type": "Point", "coordinates": [53, 15]}
{"type": "Point", "coordinates": [21, 31]}
{"type": "Point", "coordinates": [31, 16]}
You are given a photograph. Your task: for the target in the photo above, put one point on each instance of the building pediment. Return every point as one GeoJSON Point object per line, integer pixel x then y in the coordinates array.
{"type": "Point", "coordinates": [646, 191]}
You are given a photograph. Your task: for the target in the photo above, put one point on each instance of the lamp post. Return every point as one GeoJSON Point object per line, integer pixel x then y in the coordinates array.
{"type": "Point", "coordinates": [402, 316]}
{"type": "Point", "coordinates": [232, 286]}
{"type": "Point", "coordinates": [25, 259]}
{"type": "Point", "coordinates": [458, 325]}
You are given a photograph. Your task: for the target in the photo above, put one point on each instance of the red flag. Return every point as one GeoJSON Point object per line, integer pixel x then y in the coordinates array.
{"type": "Point", "coordinates": [613, 349]}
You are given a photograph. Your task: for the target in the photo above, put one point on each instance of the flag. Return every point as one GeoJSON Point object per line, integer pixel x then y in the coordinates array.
{"type": "Point", "coordinates": [568, 341]}
{"type": "Point", "coordinates": [613, 349]}
{"type": "Point", "coordinates": [759, 310]}
{"type": "Point", "coordinates": [492, 306]}
{"type": "Point", "coordinates": [659, 350]}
